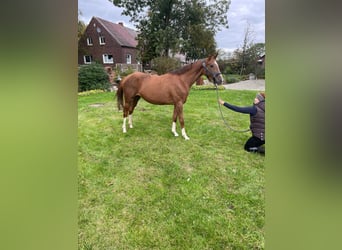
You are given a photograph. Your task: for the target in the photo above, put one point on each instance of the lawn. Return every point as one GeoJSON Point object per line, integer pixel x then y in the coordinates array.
{"type": "Point", "coordinates": [147, 189]}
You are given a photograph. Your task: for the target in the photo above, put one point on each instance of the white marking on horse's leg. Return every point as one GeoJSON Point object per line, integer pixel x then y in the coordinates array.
{"type": "Point", "coordinates": [124, 125]}
{"type": "Point", "coordinates": [130, 121]}
{"type": "Point", "coordinates": [173, 129]}
{"type": "Point", "coordinates": [184, 134]}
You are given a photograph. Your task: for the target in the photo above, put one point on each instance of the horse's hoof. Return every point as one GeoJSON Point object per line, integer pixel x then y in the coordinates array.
{"type": "Point", "coordinates": [174, 133]}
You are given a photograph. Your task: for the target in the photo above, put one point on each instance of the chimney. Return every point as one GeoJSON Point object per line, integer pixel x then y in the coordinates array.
{"type": "Point", "coordinates": [121, 23]}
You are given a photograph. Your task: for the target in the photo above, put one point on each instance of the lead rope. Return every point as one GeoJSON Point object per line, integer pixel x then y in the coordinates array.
{"type": "Point", "coordinates": [224, 120]}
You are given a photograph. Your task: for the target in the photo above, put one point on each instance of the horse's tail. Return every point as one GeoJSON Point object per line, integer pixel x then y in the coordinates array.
{"type": "Point", "coordinates": [119, 96]}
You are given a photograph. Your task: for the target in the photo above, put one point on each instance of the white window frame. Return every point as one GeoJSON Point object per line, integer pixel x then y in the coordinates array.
{"type": "Point", "coordinates": [108, 58]}
{"type": "Point", "coordinates": [87, 59]}
{"type": "Point", "coordinates": [102, 40]}
{"type": "Point", "coordinates": [89, 41]}
{"type": "Point", "coordinates": [128, 59]}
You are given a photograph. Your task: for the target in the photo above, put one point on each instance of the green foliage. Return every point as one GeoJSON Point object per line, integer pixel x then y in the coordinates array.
{"type": "Point", "coordinates": [231, 78]}
{"type": "Point", "coordinates": [260, 72]}
{"type": "Point", "coordinates": [163, 65]}
{"type": "Point", "coordinates": [227, 70]}
{"type": "Point", "coordinates": [92, 76]}
{"type": "Point", "coordinates": [147, 189]}
{"type": "Point", "coordinates": [90, 92]}
{"type": "Point", "coordinates": [198, 42]}
{"type": "Point", "coordinates": [81, 26]}
{"type": "Point", "coordinates": [230, 66]}
{"type": "Point", "coordinates": [174, 26]}
{"type": "Point", "coordinates": [248, 57]}
{"type": "Point", "coordinates": [122, 74]}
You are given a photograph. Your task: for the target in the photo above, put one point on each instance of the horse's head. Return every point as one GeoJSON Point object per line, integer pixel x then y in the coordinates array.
{"type": "Point", "coordinates": [212, 70]}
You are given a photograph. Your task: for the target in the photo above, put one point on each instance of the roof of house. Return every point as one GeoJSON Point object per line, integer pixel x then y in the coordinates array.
{"type": "Point", "coordinates": [123, 35]}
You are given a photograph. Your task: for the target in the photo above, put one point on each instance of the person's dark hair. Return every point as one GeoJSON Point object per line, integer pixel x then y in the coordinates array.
{"type": "Point", "coordinates": [261, 96]}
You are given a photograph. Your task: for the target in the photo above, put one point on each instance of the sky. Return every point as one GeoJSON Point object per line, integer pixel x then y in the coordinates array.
{"type": "Point", "coordinates": [241, 13]}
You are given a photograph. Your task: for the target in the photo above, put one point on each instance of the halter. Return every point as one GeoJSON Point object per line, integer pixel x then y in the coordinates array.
{"type": "Point", "coordinates": [208, 71]}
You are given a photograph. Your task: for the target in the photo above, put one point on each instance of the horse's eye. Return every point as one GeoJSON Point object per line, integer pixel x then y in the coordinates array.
{"type": "Point", "coordinates": [211, 66]}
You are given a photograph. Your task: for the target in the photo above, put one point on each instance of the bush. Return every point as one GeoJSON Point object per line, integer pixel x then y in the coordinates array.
{"type": "Point", "coordinates": [90, 92]}
{"type": "Point", "coordinates": [230, 78]}
{"type": "Point", "coordinates": [92, 76]}
{"type": "Point", "coordinates": [260, 73]}
{"type": "Point", "coordinates": [123, 73]}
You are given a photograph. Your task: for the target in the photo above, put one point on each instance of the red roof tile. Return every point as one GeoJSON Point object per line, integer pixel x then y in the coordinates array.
{"type": "Point", "coordinates": [123, 35]}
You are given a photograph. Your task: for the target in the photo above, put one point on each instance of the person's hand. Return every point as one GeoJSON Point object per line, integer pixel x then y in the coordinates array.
{"type": "Point", "coordinates": [221, 102]}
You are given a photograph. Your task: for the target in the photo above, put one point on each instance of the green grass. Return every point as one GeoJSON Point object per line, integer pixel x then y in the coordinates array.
{"type": "Point", "coordinates": [147, 189]}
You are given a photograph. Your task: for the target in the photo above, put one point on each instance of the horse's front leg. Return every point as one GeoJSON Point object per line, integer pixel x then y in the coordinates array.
{"type": "Point", "coordinates": [181, 121]}
{"type": "Point", "coordinates": [174, 121]}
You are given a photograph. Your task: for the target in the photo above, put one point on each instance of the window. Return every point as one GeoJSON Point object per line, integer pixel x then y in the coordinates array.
{"type": "Point", "coordinates": [87, 59]}
{"type": "Point", "coordinates": [128, 58]}
{"type": "Point", "coordinates": [108, 58]}
{"type": "Point", "coordinates": [89, 41]}
{"type": "Point", "coordinates": [102, 40]}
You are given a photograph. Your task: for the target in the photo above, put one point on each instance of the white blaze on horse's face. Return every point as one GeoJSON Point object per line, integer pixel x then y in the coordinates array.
{"type": "Point", "coordinates": [213, 71]}
{"type": "Point", "coordinates": [217, 78]}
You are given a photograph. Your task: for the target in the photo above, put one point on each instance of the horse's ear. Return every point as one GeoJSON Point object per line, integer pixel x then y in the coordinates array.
{"type": "Point", "coordinates": [213, 56]}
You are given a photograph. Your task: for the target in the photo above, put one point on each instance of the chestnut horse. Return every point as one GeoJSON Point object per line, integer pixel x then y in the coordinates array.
{"type": "Point", "coordinates": [169, 89]}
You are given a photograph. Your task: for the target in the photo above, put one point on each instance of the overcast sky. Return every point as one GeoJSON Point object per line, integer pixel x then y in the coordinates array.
{"type": "Point", "coordinates": [240, 13]}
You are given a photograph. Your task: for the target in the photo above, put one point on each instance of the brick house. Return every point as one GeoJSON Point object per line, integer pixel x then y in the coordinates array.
{"type": "Point", "coordinates": [113, 45]}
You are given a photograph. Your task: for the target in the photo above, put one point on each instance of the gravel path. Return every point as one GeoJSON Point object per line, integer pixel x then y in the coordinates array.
{"type": "Point", "coordinates": [247, 85]}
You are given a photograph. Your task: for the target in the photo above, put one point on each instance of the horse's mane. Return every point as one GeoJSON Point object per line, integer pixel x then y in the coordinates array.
{"type": "Point", "coordinates": [181, 70]}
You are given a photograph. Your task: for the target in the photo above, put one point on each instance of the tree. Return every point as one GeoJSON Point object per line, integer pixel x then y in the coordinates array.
{"type": "Point", "coordinates": [170, 26]}
{"type": "Point", "coordinates": [81, 26]}
{"type": "Point", "coordinates": [255, 52]}
{"type": "Point", "coordinates": [198, 38]}
{"type": "Point", "coordinates": [243, 52]}
{"type": "Point", "coordinates": [249, 53]}
{"type": "Point", "coordinates": [247, 57]}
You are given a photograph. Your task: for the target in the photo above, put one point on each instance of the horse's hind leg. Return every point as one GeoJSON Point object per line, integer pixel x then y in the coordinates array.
{"type": "Point", "coordinates": [125, 113]}
{"type": "Point", "coordinates": [131, 109]}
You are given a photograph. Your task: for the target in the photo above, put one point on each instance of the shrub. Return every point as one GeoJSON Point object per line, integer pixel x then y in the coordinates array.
{"type": "Point", "coordinates": [260, 73]}
{"type": "Point", "coordinates": [123, 73]}
{"type": "Point", "coordinates": [231, 79]}
{"type": "Point", "coordinates": [90, 92]}
{"type": "Point", "coordinates": [92, 76]}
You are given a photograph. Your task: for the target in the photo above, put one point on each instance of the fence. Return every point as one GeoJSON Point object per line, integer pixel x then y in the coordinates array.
{"type": "Point", "coordinates": [124, 67]}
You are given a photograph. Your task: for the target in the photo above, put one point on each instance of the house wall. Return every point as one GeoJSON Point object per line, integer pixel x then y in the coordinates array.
{"type": "Point", "coordinates": [111, 46]}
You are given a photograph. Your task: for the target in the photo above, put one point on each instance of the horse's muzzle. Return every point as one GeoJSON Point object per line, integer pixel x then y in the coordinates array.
{"type": "Point", "coordinates": [218, 78]}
